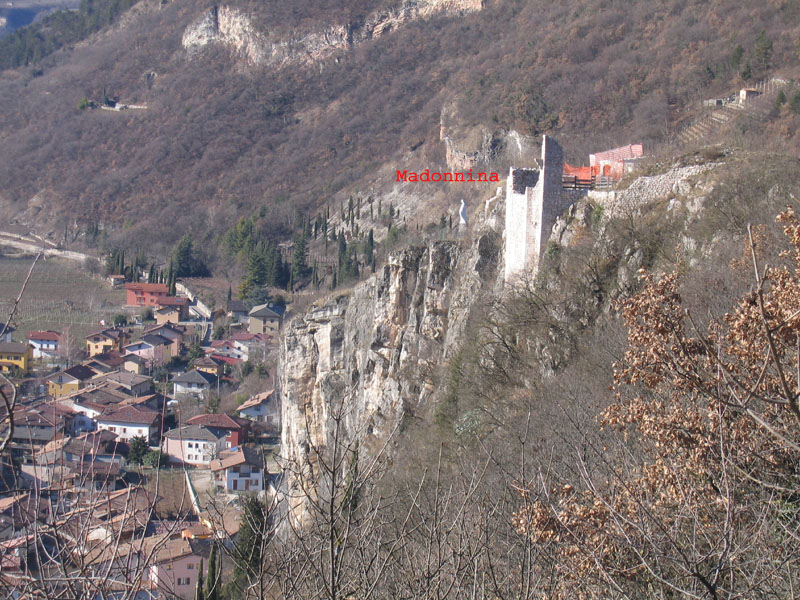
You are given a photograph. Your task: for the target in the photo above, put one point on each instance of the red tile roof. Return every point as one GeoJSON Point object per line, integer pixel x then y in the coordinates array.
{"type": "Point", "coordinates": [131, 414]}
{"type": "Point", "coordinates": [48, 336]}
{"type": "Point", "coordinates": [173, 301]}
{"type": "Point", "coordinates": [228, 360]}
{"type": "Point", "coordinates": [617, 154]}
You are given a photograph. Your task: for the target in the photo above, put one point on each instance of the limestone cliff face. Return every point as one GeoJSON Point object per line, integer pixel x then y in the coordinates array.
{"type": "Point", "coordinates": [379, 349]}
{"type": "Point", "coordinates": [468, 147]}
{"type": "Point", "coordinates": [233, 28]}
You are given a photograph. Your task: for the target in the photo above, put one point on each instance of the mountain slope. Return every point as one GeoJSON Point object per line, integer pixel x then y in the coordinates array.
{"type": "Point", "coordinates": [221, 136]}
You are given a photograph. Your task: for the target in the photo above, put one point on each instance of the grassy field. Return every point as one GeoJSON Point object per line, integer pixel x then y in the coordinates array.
{"type": "Point", "coordinates": [59, 294]}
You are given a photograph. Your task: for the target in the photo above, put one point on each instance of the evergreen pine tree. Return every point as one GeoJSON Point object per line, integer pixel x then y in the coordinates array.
{"type": "Point", "coordinates": [370, 248]}
{"type": "Point", "coordinates": [248, 552]}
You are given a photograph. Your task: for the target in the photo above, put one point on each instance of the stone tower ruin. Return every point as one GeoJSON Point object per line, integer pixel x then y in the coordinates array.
{"type": "Point", "coordinates": [534, 200]}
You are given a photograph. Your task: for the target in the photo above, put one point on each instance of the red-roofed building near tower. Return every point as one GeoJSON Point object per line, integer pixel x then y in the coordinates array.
{"type": "Point", "coordinates": [616, 162]}
{"type": "Point", "coordinates": [145, 294]}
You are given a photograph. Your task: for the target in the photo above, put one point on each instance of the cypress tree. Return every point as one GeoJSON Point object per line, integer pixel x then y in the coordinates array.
{"type": "Point", "coordinates": [198, 592]}
{"type": "Point", "coordinates": [212, 576]}
{"type": "Point", "coordinates": [371, 248]}
{"type": "Point", "coordinates": [342, 257]}
{"type": "Point", "coordinates": [299, 266]}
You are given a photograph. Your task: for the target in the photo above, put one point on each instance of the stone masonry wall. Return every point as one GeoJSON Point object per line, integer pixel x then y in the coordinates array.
{"type": "Point", "coordinates": [534, 200]}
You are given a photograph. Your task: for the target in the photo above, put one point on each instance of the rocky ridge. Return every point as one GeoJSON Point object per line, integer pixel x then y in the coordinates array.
{"type": "Point", "coordinates": [233, 28]}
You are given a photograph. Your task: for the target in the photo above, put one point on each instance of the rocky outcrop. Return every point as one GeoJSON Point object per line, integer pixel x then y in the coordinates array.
{"type": "Point", "coordinates": [234, 29]}
{"type": "Point", "coordinates": [379, 350]}
{"type": "Point", "coordinates": [468, 147]}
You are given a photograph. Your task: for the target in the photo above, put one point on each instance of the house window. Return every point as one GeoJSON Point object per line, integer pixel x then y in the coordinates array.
{"type": "Point", "coordinates": [191, 457]}
{"type": "Point", "coordinates": [190, 566]}
{"type": "Point", "coordinates": [183, 581]}
{"type": "Point", "coordinates": [124, 430]}
{"type": "Point", "coordinates": [254, 482]}
{"type": "Point", "coordinates": [206, 457]}
{"type": "Point", "coordinates": [191, 445]}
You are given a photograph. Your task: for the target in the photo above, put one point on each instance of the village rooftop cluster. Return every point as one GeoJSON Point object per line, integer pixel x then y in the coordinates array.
{"type": "Point", "coordinates": [91, 439]}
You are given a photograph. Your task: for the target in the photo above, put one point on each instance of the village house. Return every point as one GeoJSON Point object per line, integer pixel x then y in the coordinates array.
{"type": "Point", "coordinates": [135, 385]}
{"type": "Point", "coordinates": [179, 303]}
{"type": "Point", "coordinates": [15, 356]}
{"type": "Point", "coordinates": [86, 411]}
{"type": "Point", "coordinates": [171, 570]}
{"type": "Point", "coordinates": [116, 281]}
{"type": "Point", "coordinates": [145, 294]}
{"type": "Point", "coordinates": [250, 344]}
{"type": "Point", "coordinates": [18, 511]}
{"type": "Point", "coordinates": [264, 318]}
{"type": "Point", "coordinates": [101, 521]}
{"type": "Point", "coordinates": [153, 348]}
{"type": "Point", "coordinates": [236, 430]}
{"type": "Point", "coordinates": [209, 365]}
{"type": "Point", "coordinates": [262, 408]}
{"type": "Point", "coordinates": [168, 314]}
{"type": "Point", "coordinates": [237, 311]}
{"type": "Point", "coordinates": [111, 338]}
{"type": "Point", "coordinates": [133, 363]}
{"type": "Point", "coordinates": [239, 469]}
{"type": "Point", "coordinates": [36, 426]}
{"type": "Point", "coordinates": [193, 445]}
{"type": "Point", "coordinates": [44, 343]}
{"type": "Point", "coordinates": [131, 421]}
{"type": "Point", "coordinates": [102, 446]}
{"type": "Point", "coordinates": [193, 383]}
{"type": "Point", "coordinates": [174, 333]}
{"type": "Point", "coordinates": [69, 380]}
{"type": "Point", "coordinates": [228, 348]}
{"type": "Point", "coordinates": [105, 362]}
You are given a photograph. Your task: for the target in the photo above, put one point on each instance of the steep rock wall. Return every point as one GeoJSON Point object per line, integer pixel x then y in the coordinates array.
{"type": "Point", "coordinates": [380, 349]}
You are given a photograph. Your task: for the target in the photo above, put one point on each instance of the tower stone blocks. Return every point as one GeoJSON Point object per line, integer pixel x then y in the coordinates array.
{"type": "Point", "coordinates": [534, 200]}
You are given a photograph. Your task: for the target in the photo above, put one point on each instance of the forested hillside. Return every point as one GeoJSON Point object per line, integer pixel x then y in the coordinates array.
{"type": "Point", "coordinates": [220, 137]}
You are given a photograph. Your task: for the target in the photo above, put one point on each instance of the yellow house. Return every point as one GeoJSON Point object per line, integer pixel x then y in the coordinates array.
{"type": "Point", "coordinates": [209, 365]}
{"type": "Point", "coordinates": [113, 338]}
{"type": "Point", "coordinates": [15, 355]}
{"type": "Point", "coordinates": [168, 314]}
{"type": "Point", "coordinates": [69, 381]}
{"type": "Point", "coordinates": [262, 319]}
